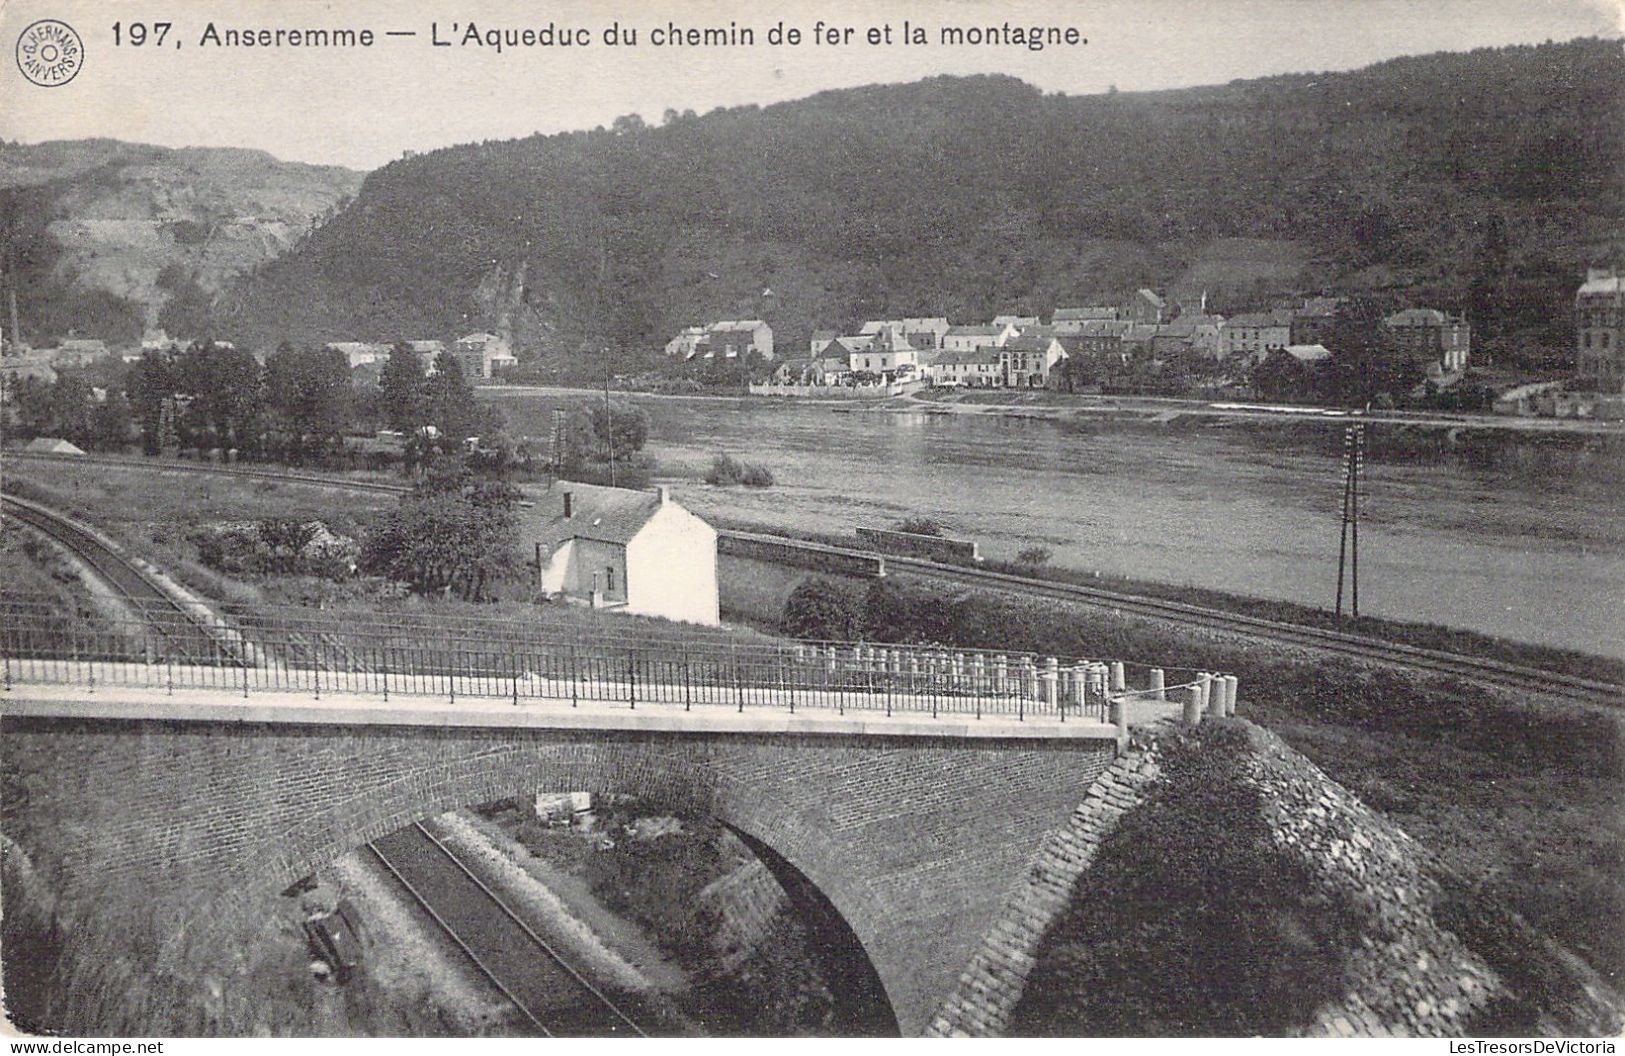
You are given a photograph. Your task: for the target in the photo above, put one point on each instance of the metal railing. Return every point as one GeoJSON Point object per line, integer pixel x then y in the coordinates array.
{"type": "Point", "coordinates": [311, 651]}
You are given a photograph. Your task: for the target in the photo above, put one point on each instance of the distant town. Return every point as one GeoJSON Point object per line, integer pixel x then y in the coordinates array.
{"type": "Point", "coordinates": [1328, 348]}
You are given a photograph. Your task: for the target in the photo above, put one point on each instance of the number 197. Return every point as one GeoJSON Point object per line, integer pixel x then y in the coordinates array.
{"type": "Point", "coordinates": [138, 35]}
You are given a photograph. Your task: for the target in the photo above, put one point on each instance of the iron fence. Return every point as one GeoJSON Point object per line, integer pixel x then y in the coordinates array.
{"type": "Point", "coordinates": [287, 650]}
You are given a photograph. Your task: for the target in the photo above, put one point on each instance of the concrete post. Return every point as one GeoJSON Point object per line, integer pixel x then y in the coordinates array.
{"type": "Point", "coordinates": [1052, 677]}
{"type": "Point", "coordinates": [1193, 704]}
{"type": "Point", "coordinates": [1118, 684]}
{"type": "Point", "coordinates": [1080, 685]}
{"type": "Point", "coordinates": [829, 658]}
{"type": "Point", "coordinates": [1030, 674]}
{"type": "Point", "coordinates": [1204, 690]}
{"type": "Point", "coordinates": [1157, 684]}
{"type": "Point", "coordinates": [1118, 714]}
{"type": "Point", "coordinates": [1001, 673]}
{"type": "Point", "coordinates": [1230, 683]}
{"type": "Point", "coordinates": [978, 672]}
{"type": "Point", "coordinates": [959, 667]}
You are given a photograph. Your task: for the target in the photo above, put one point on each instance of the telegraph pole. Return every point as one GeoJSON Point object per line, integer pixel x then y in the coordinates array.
{"type": "Point", "coordinates": [1348, 540]}
{"type": "Point", "coordinates": [609, 421]}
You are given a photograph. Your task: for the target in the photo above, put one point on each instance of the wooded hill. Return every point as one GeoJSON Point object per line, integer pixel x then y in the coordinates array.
{"type": "Point", "coordinates": [967, 196]}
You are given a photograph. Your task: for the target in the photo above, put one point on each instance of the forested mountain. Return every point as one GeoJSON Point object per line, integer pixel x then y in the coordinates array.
{"type": "Point", "coordinates": [967, 196]}
{"type": "Point", "coordinates": [104, 237]}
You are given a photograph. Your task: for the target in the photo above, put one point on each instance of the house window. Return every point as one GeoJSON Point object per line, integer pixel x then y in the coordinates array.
{"type": "Point", "coordinates": [609, 580]}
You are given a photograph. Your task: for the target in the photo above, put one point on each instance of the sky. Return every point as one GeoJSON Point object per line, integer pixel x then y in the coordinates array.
{"type": "Point", "coordinates": [364, 106]}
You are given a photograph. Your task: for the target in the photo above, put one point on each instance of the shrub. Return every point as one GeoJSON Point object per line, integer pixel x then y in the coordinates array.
{"type": "Point", "coordinates": [726, 470]}
{"type": "Point", "coordinates": [1034, 556]}
{"type": "Point", "coordinates": [919, 526]}
{"type": "Point", "coordinates": [823, 608]}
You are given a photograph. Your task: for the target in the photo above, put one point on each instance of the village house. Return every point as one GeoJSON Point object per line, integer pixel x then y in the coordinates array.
{"type": "Point", "coordinates": [817, 370]}
{"type": "Point", "coordinates": [733, 338]}
{"type": "Point", "coordinates": [1017, 321]}
{"type": "Point", "coordinates": [1312, 321]}
{"type": "Point", "coordinates": [359, 353]}
{"type": "Point", "coordinates": [889, 355]}
{"type": "Point", "coordinates": [1146, 306]}
{"type": "Point", "coordinates": [1099, 339]}
{"type": "Point", "coordinates": [77, 352]}
{"type": "Point", "coordinates": [1070, 321]}
{"type": "Point", "coordinates": [923, 332]}
{"type": "Point", "coordinates": [1432, 336]}
{"type": "Point", "coordinates": [821, 339]}
{"type": "Point", "coordinates": [428, 353]}
{"type": "Point", "coordinates": [482, 355]}
{"type": "Point", "coordinates": [1599, 322]}
{"type": "Point", "coordinates": [1025, 361]}
{"type": "Point", "coordinates": [970, 338]}
{"type": "Point", "coordinates": [687, 342]}
{"type": "Point", "coordinates": [637, 552]}
{"type": "Point", "coordinates": [977, 368]}
{"type": "Point", "coordinates": [1255, 334]}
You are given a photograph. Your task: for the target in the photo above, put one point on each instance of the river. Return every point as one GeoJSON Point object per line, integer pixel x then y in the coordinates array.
{"type": "Point", "coordinates": [1525, 541]}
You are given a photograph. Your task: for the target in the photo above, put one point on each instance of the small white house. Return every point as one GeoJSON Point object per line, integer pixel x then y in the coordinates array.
{"type": "Point", "coordinates": [616, 548]}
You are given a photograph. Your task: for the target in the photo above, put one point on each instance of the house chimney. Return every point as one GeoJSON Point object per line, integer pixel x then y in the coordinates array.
{"type": "Point", "coordinates": [664, 493]}
{"type": "Point", "coordinates": [569, 507]}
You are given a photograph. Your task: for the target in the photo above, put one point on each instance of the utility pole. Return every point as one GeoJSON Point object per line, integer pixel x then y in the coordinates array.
{"type": "Point", "coordinates": [609, 421]}
{"type": "Point", "coordinates": [1348, 540]}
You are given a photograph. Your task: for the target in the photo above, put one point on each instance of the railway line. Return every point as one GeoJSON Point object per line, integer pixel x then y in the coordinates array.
{"type": "Point", "coordinates": [548, 991]}
{"type": "Point", "coordinates": [177, 631]}
{"type": "Point", "coordinates": [1360, 647]}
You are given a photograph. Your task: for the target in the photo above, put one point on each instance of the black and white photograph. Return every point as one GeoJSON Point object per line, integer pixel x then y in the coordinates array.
{"type": "Point", "coordinates": [729, 519]}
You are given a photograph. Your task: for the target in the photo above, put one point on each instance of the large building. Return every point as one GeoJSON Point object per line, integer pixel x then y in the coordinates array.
{"type": "Point", "coordinates": [1431, 336]}
{"type": "Point", "coordinates": [615, 548]}
{"type": "Point", "coordinates": [1255, 335]}
{"type": "Point", "coordinates": [482, 355]}
{"type": "Point", "coordinates": [1599, 323]}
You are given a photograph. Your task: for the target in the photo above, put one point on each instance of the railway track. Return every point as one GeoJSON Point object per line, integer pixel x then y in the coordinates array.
{"type": "Point", "coordinates": [177, 629]}
{"type": "Point", "coordinates": [550, 993]}
{"type": "Point", "coordinates": [1360, 647]}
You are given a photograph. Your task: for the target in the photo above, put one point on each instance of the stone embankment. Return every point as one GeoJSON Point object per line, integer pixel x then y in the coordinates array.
{"type": "Point", "coordinates": [1426, 958]}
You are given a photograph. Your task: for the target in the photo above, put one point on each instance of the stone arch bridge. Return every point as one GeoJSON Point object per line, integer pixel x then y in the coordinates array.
{"type": "Point", "coordinates": [916, 830]}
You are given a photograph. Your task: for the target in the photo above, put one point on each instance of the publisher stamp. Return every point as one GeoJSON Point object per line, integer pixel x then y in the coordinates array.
{"type": "Point", "coordinates": [50, 53]}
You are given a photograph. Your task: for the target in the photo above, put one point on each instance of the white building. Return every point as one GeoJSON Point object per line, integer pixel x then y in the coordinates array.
{"type": "Point", "coordinates": [923, 332]}
{"type": "Point", "coordinates": [970, 338]}
{"type": "Point", "coordinates": [889, 355]}
{"type": "Point", "coordinates": [482, 355]}
{"type": "Point", "coordinates": [360, 353]}
{"type": "Point", "coordinates": [635, 551]}
{"type": "Point", "coordinates": [979, 368]}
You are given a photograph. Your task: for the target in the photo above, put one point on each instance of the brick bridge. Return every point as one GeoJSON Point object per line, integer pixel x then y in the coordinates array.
{"type": "Point", "coordinates": [914, 829]}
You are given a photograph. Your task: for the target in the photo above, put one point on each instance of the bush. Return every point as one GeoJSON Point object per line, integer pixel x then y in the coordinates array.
{"type": "Point", "coordinates": [1034, 556]}
{"type": "Point", "coordinates": [823, 608]}
{"type": "Point", "coordinates": [726, 471]}
{"type": "Point", "coordinates": [919, 526]}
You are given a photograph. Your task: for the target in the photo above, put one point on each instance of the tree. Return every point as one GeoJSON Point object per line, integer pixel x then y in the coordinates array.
{"type": "Point", "coordinates": [402, 384]}
{"type": "Point", "coordinates": [72, 409]}
{"type": "Point", "coordinates": [154, 387]}
{"type": "Point", "coordinates": [111, 424]}
{"type": "Point", "coordinates": [309, 391]}
{"type": "Point", "coordinates": [449, 400]}
{"type": "Point", "coordinates": [452, 535]}
{"type": "Point", "coordinates": [226, 393]}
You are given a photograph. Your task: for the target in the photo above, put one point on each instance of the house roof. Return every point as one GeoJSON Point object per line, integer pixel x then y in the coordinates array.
{"type": "Point", "coordinates": [1308, 353]}
{"type": "Point", "coordinates": [426, 346]}
{"type": "Point", "coordinates": [975, 331]}
{"type": "Point", "coordinates": [605, 515]}
{"type": "Point", "coordinates": [1104, 328]}
{"type": "Point", "coordinates": [1418, 317]}
{"type": "Point", "coordinates": [1015, 320]}
{"type": "Point", "coordinates": [1602, 282]}
{"type": "Point", "coordinates": [1258, 319]}
{"type": "Point", "coordinates": [1075, 314]}
{"type": "Point", "coordinates": [52, 445]}
{"type": "Point", "coordinates": [1151, 295]}
{"type": "Point", "coordinates": [823, 335]}
{"type": "Point", "coordinates": [481, 338]}
{"type": "Point", "coordinates": [1029, 343]}
{"type": "Point", "coordinates": [729, 325]}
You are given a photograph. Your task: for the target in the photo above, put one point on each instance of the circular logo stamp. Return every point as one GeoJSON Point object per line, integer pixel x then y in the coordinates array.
{"type": "Point", "coordinates": [50, 53]}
